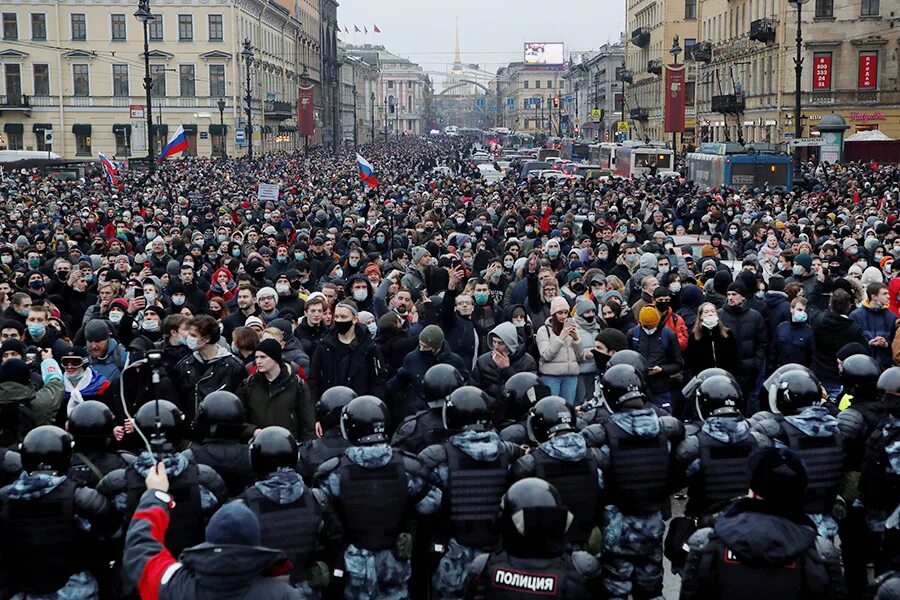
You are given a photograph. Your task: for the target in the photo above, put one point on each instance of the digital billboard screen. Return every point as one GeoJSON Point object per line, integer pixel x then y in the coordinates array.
{"type": "Point", "coordinates": [544, 53]}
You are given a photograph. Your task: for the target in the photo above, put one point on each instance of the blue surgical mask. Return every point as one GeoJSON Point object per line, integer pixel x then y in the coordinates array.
{"type": "Point", "coordinates": [192, 342]}
{"type": "Point", "coordinates": [281, 259]}
{"type": "Point", "coordinates": [36, 331]}
{"type": "Point", "coordinates": [373, 328]}
{"type": "Point", "coordinates": [799, 317]}
{"type": "Point", "coordinates": [236, 252]}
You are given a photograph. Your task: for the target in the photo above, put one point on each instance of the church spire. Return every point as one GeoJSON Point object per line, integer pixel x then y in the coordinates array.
{"type": "Point", "coordinates": [458, 59]}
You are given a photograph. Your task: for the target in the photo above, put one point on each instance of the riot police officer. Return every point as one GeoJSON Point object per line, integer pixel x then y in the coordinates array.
{"type": "Point", "coordinates": [293, 518]}
{"type": "Point", "coordinates": [533, 561]}
{"type": "Point", "coordinates": [639, 444]}
{"type": "Point", "coordinates": [220, 425]}
{"type": "Point", "coordinates": [564, 459]}
{"type": "Point", "coordinates": [197, 489]}
{"type": "Point", "coordinates": [43, 522]}
{"type": "Point", "coordinates": [330, 442]}
{"type": "Point", "coordinates": [800, 422]}
{"type": "Point", "coordinates": [470, 469]}
{"type": "Point", "coordinates": [596, 410]}
{"type": "Point", "coordinates": [689, 393]}
{"type": "Point", "coordinates": [91, 425]}
{"type": "Point", "coordinates": [371, 486]}
{"type": "Point", "coordinates": [426, 427]}
{"type": "Point", "coordinates": [859, 376]}
{"type": "Point", "coordinates": [520, 393]}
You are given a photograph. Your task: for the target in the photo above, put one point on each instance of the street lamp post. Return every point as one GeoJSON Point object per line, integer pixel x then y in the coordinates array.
{"type": "Point", "coordinates": [576, 127]}
{"type": "Point", "coordinates": [304, 82]}
{"type": "Point", "coordinates": [675, 51]}
{"type": "Point", "coordinates": [355, 122]}
{"type": "Point", "coordinates": [798, 82]}
{"type": "Point", "coordinates": [386, 119]}
{"type": "Point", "coordinates": [144, 16]}
{"type": "Point", "coordinates": [247, 54]}
{"type": "Point", "coordinates": [221, 105]}
{"type": "Point", "coordinates": [372, 98]}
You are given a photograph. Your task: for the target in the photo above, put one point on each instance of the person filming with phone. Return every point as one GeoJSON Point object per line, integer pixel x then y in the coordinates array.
{"type": "Point", "coordinates": [559, 347]}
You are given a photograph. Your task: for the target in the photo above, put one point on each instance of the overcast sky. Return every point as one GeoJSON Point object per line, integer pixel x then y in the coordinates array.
{"type": "Point", "coordinates": [492, 32]}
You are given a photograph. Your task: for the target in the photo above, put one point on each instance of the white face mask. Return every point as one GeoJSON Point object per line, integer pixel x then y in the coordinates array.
{"type": "Point", "coordinates": [338, 273]}
{"type": "Point", "coordinates": [283, 288]}
{"type": "Point", "coordinates": [360, 295]}
{"type": "Point", "coordinates": [177, 300]}
{"type": "Point", "coordinates": [649, 330]}
{"type": "Point", "coordinates": [519, 323]}
{"type": "Point", "coordinates": [710, 322]}
{"type": "Point", "coordinates": [115, 317]}
{"type": "Point", "coordinates": [151, 326]}
{"type": "Point", "coordinates": [150, 297]}
{"type": "Point", "coordinates": [373, 328]}
{"type": "Point", "coordinates": [675, 287]}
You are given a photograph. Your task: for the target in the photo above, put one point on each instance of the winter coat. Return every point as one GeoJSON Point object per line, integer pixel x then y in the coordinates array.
{"type": "Point", "coordinates": [832, 332]}
{"type": "Point", "coordinates": [677, 325]}
{"type": "Point", "coordinates": [779, 310]}
{"type": "Point", "coordinates": [587, 333]}
{"type": "Point", "coordinates": [309, 336]}
{"type": "Point", "coordinates": [691, 298]}
{"type": "Point", "coordinates": [392, 350]}
{"type": "Point", "coordinates": [235, 320]}
{"type": "Point", "coordinates": [491, 378]}
{"type": "Point", "coordinates": [876, 323]}
{"type": "Point", "coordinates": [110, 366]}
{"type": "Point", "coordinates": [410, 377]}
{"type": "Point", "coordinates": [660, 349]}
{"type": "Point", "coordinates": [336, 363]}
{"type": "Point", "coordinates": [711, 350]}
{"type": "Point", "coordinates": [559, 355]}
{"type": "Point", "coordinates": [195, 378]}
{"type": "Point", "coordinates": [43, 403]}
{"type": "Point", "coordinates": [459, 332]}
{"type": "Point", "coordinates": [284, 402]}
{"type": "Point", "coordinates": [793, 343]}
{"type": "Point", "coordinates": [750, 332]}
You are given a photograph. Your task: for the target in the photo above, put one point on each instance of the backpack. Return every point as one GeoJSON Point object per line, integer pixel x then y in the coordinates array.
{"type": "Point", "coordinates": [636, 337]}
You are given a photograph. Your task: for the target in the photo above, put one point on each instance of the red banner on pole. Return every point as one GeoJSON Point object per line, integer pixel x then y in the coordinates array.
{"type": "Point", "coordinates": [305, 114]}
{"type": "Point", "coordinates": [822, 71]}
{"type": "Point", "coordinates": [675, 98]}
{"type": "Point", "coordinates": [868, 70]}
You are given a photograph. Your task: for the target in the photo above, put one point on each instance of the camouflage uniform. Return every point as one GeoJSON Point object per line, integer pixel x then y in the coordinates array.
{"type": "Point", "coordinates": [370, 575]}
{"type": "Point", "coordinates": [879, 487]}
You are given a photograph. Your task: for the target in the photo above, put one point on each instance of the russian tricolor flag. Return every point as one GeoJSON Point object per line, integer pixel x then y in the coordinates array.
{"type": "Point", "coordinates": [177, 144]}
{"type": "Point", "coordinates": [110, 169]}
{"type": "Point", "coordinates": [366, 171]}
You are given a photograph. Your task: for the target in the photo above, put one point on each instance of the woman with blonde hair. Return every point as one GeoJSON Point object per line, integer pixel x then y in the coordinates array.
{"type": "Point", "coordinates": [711, 344]}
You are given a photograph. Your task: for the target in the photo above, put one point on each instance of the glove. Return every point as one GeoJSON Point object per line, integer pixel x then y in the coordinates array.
{"type": "Point", "coordinates": [319, 575]}
{"type": "Point", "coordinates": [594, 543]}
{"type": "Point", "coordinates": [404, 547]}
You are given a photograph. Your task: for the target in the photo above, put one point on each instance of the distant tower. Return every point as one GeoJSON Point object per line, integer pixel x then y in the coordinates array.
{"type": "Point", "coordinates": [457, 63]}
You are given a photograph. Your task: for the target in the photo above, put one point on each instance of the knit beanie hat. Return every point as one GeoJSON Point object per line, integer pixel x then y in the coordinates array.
{"type": "Point", "coordinates": [613, 339]}
{"type": "Point", "coordinates": [804, 260]}
{"type": "Point", "coordinates": [432, 336]}
{"type": "Point", "coordinates": [96, 330]}
{"type": "Point", "coordinates": [234, 524]}
{"type": "Point", "coordinates": [15, 370]}
{"type": "Point", "coordinates": [738, 287]}
{"type": "Point", "coordinates": [270, 348]}
{"type": "Point", "coordinates": [649, 317]}
{"type": "Point", "coordinates": [557, 304]}
{"type": "Point", "coordinates": [584, 305]}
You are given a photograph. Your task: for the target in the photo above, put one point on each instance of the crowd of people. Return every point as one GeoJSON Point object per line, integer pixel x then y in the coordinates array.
{"type": "Point", "coordinates": [440, 387]}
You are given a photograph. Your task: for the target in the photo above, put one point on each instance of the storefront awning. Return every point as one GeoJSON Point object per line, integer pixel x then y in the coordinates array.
{"type": "Point", "coordinates": [81, 129]}
{"type": "Point", "coordinates": [41, 127]}
{"type": "Point", "coordinates": [13, 128]}
{"type": "Point", "coordinates": [122, 128]}
{"type": "Point", "coordinates": [189, 128]}
{"type": "Point", "coordinates": [218, 129]}
{"type": "Point", "coordinates": [160, 130]}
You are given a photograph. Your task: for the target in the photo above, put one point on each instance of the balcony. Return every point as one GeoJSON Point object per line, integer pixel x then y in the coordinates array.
{"type": "Point", "coordinates": [701, 52]}
{"type": "Point", "coordinates": [729, 104]}
{"type": "Point", "coordinates": [763, 30]}
{"type": "Point", "coordinates": [15, 102]}
{"type": "Point", "coordinates": [655, 67]}
{"type": "Point", "coordinates": [639, 114]}
{"type": "Point", "coordinates": [640, 37]}
{"type": "Point", "coordinates": [821, 98]}
{"type": "Point", "coordinates": [278, 110]}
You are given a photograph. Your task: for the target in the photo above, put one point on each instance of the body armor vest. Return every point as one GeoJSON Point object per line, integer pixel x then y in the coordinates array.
{"type": "Point", "coordinates": [824, 460]}
{"type": "Point", "coordinates": [373, 502]}
{"type": "Point", "coordinates": [724, 472]}
{"type": "Point", "coordinates": [186, 524]}
{"type": "Point", "coordinates": [475, 489]}
{"type": "Point", "coordinates": [639, 469]}
{"type": "Point", "coordinates": [576, 482]}
{"type": "Point", "coordinates": [504, 581]}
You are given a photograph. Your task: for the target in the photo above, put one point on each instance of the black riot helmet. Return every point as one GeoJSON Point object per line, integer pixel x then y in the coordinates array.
{"type": "Point", "coordinates": [718, 395]}
{"type": "Point", "coordinates": [467, 408]}
{"type": "Point", "coordinates": [221, 415]}
{"type": "Point", "coordinates": [551, 415]}
{"type": "Point", "coordinates": [622, 383]}
{"type": "Point", "coordinates": [796, 391]}
{"type": "Point", "coordinates": [520, 392]}
{"type": "Point", "coordinates": [271, 449]}
{"type": "Point", "coordinates": [889, 390]}
{"type": "Point", "coordinates": [171, 420]}
{"type": "Point", "coordinates": [331, 403]}
{"type": "Point", "coordinates": [690, 389]}
{"type": "Point", "coordinates": [535, 521]}
{"type": "Point", "coordinates": [91, 423]}
{"type": "Point", "coordinates": [629, 357]}
{"type": "Point", "coordinates": [47, 448]}
{"type": "Point", "coordinates": [440, 380]}
{"type": "Point", "coordinates": [364, 421]}
{"type": "Point", "coordinates": [859, 375]}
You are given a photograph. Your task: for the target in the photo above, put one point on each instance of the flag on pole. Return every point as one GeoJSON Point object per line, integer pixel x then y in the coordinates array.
{"type": "Point", "coordinates": [346, 30]}
{"type": "Point", "coordinates": [356, 29]}
{"type": "Point", "coordinates": [377, 30]}
{"type": "Point", "coordinates": [366, 171]}
{"type": "Point", "coordinates": [110, 169]}
{"type": "Point", "coordinates": [178, 143]}
{"type": "Point", "coordinates": [367, 29]}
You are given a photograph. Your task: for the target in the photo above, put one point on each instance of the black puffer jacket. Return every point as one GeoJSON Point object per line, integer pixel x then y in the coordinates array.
{"type": "Point", "coordinates": [335, 363]}
{"type": "Point", "coordinates": [751, 334]}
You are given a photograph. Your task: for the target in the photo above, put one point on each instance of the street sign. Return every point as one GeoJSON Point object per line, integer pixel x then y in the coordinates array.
{"type": "Point", "coordinates": [239, 136]}
{"type": "Point", "coordinates": [622, 127]}
{"type": "Point", "coordinates": [137, 111]}
{"type": "Point", "coordinates": [268, 191]}
{"type": "Point", "coordinates": [596, 115]}
{"type": "Point", "coordinates": [204, 135]}
{"type": "Point", "coordinates": [570, 99]}
{"type": "Point", "coordinates": [807, 142]}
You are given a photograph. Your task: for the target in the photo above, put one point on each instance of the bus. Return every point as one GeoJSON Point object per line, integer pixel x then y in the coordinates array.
{"type": "Point", "coordinates": [574, 150]}
{"type": "Point", "coordinates": [731, 165]}
{"type": "Point", "coordinates": [604, 155]}
{"type": "Point", "coordinates": [643, 160]}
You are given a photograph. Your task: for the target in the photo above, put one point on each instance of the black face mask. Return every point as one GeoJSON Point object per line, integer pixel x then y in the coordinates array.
{"type": "Point", "coordinates": [343, 327]}
{"type": "Point", "coordinates": [600, 360]}
{"type": "Point", "coordinates": [662, 306]}
{"type": "Point", "coordinates": [589, 319]}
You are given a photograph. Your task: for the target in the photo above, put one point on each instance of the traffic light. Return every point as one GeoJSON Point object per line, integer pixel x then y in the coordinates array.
{"type": "Point", "coordinates": [556, 102]}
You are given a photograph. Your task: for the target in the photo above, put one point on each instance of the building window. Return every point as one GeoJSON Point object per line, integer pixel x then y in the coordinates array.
{"type": "Point", "coordinates": [690, 93]}
{"type": "Point", "coordinates": [867, 8]}
{"type": "Point", "coordinates": [79, 27]}
{"type": "Point", "coordinates": [525, 103]}
{"type": "Point", "coordinates": [409, 104]}
{"type": "Point", "coordinates": [216, 28]}
{"type": "Point", "coordinates": [824, 8]}
{"type": "Point", "coordinates": [118, 27]}
{"type": "Point", "coordinates": [38, 26]}
{"type": "Point", "coordinates": [217, 81]}
{"type": "Point", "coordinates": [526, 84]}
{"type": "Point", "coordinates": [41, 80]}
{"type": "Point", "coordinates": [155, 30]}
{"type": "Point", "coordinates": [158, 75]}
{"type": "Point", "coordinates": [186, 77]}
{"type": "Point", "coordinates": [690, 9]}
{"type": "Point", "coordinates": [549, 85]}
{"type": "Point", "coordinates": [81, 80]}
{"type": "Point", "coordinates": [39, 142]}
{"type": "Point", "coordinates": [120, 80]}
{"type": "Point", "coordinates": [391, 104]}
{"type": "Point", "coordinates": [10, 26]}
{"type": "Point", "coordinates": [390, 84]}
{"type": "Point", "coordinates": [537, 84]}
{"type": "Point", "coordinates": [185, 28]}
{"type": "Point", "coordinates": [123, 142]}
{"type": "Point", "coordinates": [14, 141]}
{"type": "Point", "coordinates": [13, 83]}
{"type": "Point", "coordinates": [83, 144]}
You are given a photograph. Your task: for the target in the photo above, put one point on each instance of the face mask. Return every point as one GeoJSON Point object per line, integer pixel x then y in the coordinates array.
{"type": "Point", "coordinates": [221, 238]}
{"type": "Point", "coordinates": [600, 359]}
{"type": "Point", "coordinates": [283, 288]}
{"type": "Point", "coordinates": [343, 326]}
{"type": "Point", "coordinates": [6, 259]}
{"type": "Point", "coordinates": [710, 322]}
{"type": "Point", "coordinates": [602, 255]}
{"type": "Point", "coordinates": [36, 331]}
{"type": "Point", "coordinates": [354, 262]}
{"type": "Point", "coordinates": [675, 287]}
{"type": "Point", "coordinates": [589, 319]}
{"type": "Point", "coordinates": [662, 306]}
{"type": "Point", "coordinates": [760, 294]}
{"type": "Point", "coordinates": [379, 239]}
{"type": "Point", "coordinates": [360, 295]}
{"type": "Point", "coordinates": [663, 270]}
{"type": "Point", "coordinates": [519, 323]}
{"type": "Point", "coordinates": [178, 300]}
{"type": "Point", "coordinates": [631, 259]}
{"type": "Point", "coordinates": [779, 266]}
{"type": "Point", "coordinates": [373, 328]}
{"type": "Point", "coordinates": [281, 259]}
{"type": "Point", "coordinates": [150, 297]}
{"type": "Point", "coordinates": [630, 239]}
{"type": "Point", "coordinates": [115, 317]}
{"type": "Point", "coordinates": [495, 276]}
{"type": "Point", "coordinates": [745, 234]}
{"type": "Point", "coordinates": [460, 220]}
{"type": "Point", "coordinates": [799, 317]}
{"type": "Point", "coordinates": [481, 298]}
{"type": "Point", "coordinates": [37, 284]}
{"type": "Point", "coordinates": [192, 342]}
{"type": "Point", "coordinates": [553, 252]}
{"type": "Point", "coordinates": [151, 235]}
{"type": "Point", "coordinates": [529, 229]}
{"type": "Point", "coordinates": [508, 264]}
{"type": "Point", "coordinates": [878, 257]}
{"type": "Point", "coordinates": [151, 326]}
{"type": "Point", "coordinates": [75, 377]}
{"type": "Point", "coordinates": [797, 270]}
{"type": "Point", "coordinates": [649, 330]}
{"type": "Point", "coordinates": [236, 252]}
{"type": "Point", "coordinates": [338, 273]}
{"type": "Point", "coordinates": [34, 263]}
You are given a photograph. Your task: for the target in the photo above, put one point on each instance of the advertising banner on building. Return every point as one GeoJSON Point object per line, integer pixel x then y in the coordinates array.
{"type": "Point", "coordinates": [305, 112]}
{"type": "Point", "coordinates": [675, 97]}
{"type": "Point", "coordinates": [868, 70]}
{"type": "Point", "coordinates": [822, 71]}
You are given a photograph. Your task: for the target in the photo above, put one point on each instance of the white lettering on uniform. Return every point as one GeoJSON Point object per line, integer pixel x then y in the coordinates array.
{"type": "Point", "coordinates": [541, 584]}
